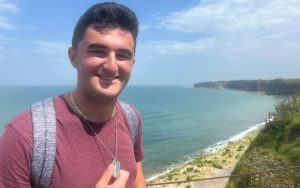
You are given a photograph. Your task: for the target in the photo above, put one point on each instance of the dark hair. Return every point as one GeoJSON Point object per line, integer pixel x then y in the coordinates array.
{"type": "Point", "coordinates": [107, 15]}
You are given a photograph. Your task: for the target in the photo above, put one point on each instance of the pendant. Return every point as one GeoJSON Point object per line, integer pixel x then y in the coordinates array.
{"type": "Point", "coordinates": [116, 164]}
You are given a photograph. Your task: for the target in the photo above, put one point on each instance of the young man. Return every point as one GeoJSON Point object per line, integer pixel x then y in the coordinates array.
{"type": "Point", "coordinates": [93, 139]}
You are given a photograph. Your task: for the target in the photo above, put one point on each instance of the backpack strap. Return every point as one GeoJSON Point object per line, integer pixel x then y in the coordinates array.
{"type": "Point", "coordinates": [132, 119]}
{"type": "Point", "coordinates": [44, 142]}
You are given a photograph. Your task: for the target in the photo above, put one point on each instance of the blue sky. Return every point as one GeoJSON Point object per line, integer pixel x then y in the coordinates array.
{"type": "Point", "coordinates": [180, 42]}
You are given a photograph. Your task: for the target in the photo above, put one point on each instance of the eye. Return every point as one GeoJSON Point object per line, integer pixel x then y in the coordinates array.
{"type": "Point", "coordinates": [99, 53]}
{"type": "Point", "coordinates": [123, 56]}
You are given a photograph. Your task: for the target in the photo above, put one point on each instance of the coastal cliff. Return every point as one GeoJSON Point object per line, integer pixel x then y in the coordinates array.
{"type": "Point", "coordinates": [271, 87]}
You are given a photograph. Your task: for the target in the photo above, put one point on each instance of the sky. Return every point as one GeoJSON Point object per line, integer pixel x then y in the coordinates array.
{"type": "Point", "coordinates": [179, 43]}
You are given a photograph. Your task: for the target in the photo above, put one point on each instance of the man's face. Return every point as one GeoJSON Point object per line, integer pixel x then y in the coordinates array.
{"type": "Point", "coordinates": [103, 60]}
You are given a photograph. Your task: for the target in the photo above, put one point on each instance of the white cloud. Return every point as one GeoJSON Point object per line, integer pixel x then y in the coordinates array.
{"type": "Point", "coordinates": [52, 51]}
{"type": "Point", "coordinates": [51, 47]}
{"type": "Point", "coordinates": [242, 30]}
{"type": "Point", "coordinates": [7, 7]}
{"type": "Point", "coordinates": [151, 50]}
{"type": "Point", "coordinates": [233, 15]}
{"type": "Point", "coordinates": [169, 47]}
{"type": "Point", "coordinates": [5, 24]}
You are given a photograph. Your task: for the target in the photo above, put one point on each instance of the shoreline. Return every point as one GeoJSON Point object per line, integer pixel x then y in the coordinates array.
{"type": "Point", "coordinates": [218, 162]}
{"type": "Point", "coordinates": [211, 149]}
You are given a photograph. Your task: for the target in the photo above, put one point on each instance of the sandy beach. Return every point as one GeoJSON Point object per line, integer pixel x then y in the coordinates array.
{"type": "Point", "coordinates": [219, 163]}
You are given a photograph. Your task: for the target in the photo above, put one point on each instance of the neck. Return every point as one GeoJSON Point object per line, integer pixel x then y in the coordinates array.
{"type": "Point", "coordinates": [93, 109]}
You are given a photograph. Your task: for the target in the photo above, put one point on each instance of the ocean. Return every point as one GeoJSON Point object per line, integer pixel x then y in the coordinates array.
{"type": "Point", "coordinates": [179, 123]}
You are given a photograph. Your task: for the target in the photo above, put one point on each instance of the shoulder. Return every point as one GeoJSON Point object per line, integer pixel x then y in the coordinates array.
{"type": "Point", "coordinates": [22, 123]}
{"type": "Point", "coordinates": [19, 129]}
{"type": "Point", "coordinates": [21, 117]}
{"type": "Point", "coordinates": [63, 112]}
{"type": "Point", "coordinates": [15, 151]}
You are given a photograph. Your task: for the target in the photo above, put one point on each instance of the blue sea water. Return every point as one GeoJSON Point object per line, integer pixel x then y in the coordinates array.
{"type": "Point", "coordinates": [178, 122]}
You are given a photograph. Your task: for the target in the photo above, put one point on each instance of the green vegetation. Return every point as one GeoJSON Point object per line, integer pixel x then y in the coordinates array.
{"type": "Point", "coordinates": [215, 165]}
{"type": "Point", "coordinates": [241, 147]}
{"type": "Point", "coordinates": [190, 169]}
{"type": "Point", "coordinates": [271, 87]}
{"type": "Point", "coordinates": [188, 178]}
{"type": "Point", "coordinates": [277, 146]}
{"type": "Point", "coordinates": [169, 176]}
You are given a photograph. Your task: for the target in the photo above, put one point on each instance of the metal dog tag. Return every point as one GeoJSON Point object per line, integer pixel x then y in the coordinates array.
{"type": "Point", "coordinates": [116, 172]}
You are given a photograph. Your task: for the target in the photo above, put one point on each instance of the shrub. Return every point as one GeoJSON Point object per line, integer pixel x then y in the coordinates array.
{"type": "Point", "coordinates": [188, 178]}
{"type": "Point", "coordinates": [169, 176]}
{"type": "Point", "coordinates": [241, 147]}
{"type": "Point", "coordinates": [217, 166]}
{"type": "Point", "coordinates": [190, 169]}
{"type": "Point", "coordinates": [208, 161]}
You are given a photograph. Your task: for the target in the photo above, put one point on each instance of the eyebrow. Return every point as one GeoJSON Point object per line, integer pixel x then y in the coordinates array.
{"type": "Point", "coordinates": [101, 46]}
{"type": "Point", "coordinates": [96, 46]}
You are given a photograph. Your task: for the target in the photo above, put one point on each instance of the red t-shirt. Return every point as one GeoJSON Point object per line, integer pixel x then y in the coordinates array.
{"type": "Point", "coordinates": [80, 159]}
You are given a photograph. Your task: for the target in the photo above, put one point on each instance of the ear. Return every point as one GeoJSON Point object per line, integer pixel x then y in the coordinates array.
{"type": "Point", "coordinates": [72, 56]}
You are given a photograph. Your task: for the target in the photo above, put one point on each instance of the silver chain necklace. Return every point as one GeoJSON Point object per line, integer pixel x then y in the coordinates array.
{"type": "Point", "coordinates": [115, 161]}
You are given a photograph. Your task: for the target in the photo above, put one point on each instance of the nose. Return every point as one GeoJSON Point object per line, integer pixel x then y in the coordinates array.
{"type": "Point", "coordinates": [110, 64]}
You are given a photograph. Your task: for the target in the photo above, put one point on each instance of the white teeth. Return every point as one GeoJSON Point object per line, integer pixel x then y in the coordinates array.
{"type": "Point", "coordinates": [107, 77]}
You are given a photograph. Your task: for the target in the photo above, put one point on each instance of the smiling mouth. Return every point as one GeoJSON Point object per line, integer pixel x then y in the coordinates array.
{"type": "Point", "coordinates": [107, 77]}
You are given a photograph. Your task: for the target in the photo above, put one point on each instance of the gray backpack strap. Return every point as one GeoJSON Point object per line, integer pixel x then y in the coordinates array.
{"type": "Point", "coordinates": [44, 142]}
{"type": "Point", "coordinates": [132, 119]}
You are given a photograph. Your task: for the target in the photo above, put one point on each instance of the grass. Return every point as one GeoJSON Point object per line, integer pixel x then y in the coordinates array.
{"type": "Point", "coordinates": [276, 146]}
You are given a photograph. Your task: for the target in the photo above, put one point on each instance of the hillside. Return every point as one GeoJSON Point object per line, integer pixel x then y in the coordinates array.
{"type": "Point", "coordinates": [277, 146]}
{"type": "Point", "coordinates": [271, 87]}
